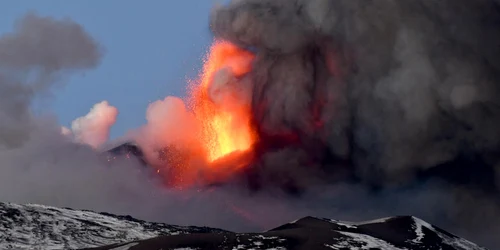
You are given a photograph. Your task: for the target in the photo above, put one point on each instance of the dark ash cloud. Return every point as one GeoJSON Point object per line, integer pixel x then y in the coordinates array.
{"type": "Point", "coordinates": [399, 91]}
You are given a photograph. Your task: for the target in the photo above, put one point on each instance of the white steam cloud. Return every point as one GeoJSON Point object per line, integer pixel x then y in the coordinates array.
{"type": "Point", "coordinates": [93, 129]}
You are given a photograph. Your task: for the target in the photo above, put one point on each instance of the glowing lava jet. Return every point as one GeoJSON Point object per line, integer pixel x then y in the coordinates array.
{"type": "Point", "coordinates": [220, 102]}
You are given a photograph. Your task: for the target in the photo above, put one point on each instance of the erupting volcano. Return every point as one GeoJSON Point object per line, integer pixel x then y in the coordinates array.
{"type": "Point", "coordinates": [347, 109]}
{"type": "Point", "coordinates": [219, 106]}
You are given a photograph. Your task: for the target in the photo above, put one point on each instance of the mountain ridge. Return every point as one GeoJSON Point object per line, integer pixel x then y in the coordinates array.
{"type": "Point", "coordinates": [34, 226]}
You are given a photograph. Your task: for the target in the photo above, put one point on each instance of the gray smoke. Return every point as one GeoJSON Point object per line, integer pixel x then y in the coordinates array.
{"type": "Point", "coordinates": [33, 60]}
{"type": "Point", "coordinates": [414, 82]}
{"type": "Point", "coordinates": [38, 163]}
{"type": "Point", "coordinates": [398, 87]}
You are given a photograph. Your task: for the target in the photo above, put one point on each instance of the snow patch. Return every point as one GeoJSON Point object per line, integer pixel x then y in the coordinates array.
{"type": "Point", "coordinates": [350, 224]}
{"type": "Point", "coordinates": [368, 242]}
{"type": "Point", "coordinates": [266, 237]}
{"type": "Point", "coordinates": [339, 245]}
{"type": "Point", "coordinates": [25, 226]}
{"type": "Point", "coordinates": [258, 243]}
{"type": "Point", "coordinates": [381, 220]}
{"type": "Point", "coordinates": [418, 226]}
{"type": "Point", "coordinates": [346, 224]}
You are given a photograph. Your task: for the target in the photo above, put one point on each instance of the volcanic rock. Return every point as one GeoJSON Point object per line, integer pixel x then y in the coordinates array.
{"type": "Point", "coordinates": [129, 150]}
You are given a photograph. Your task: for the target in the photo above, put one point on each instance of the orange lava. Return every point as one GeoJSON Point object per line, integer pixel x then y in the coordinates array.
{"type": "Point", "coordinates": [224, 118]}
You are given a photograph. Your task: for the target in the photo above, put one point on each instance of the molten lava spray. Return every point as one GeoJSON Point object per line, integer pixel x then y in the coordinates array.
{"type": "Point", "coordinates": [213, 136]}
{"type": "Point", "coordinates": [220, 103]}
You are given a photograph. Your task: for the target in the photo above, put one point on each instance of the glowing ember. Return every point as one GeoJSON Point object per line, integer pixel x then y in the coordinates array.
{"type": "Point", "coordinates": [219, 102]}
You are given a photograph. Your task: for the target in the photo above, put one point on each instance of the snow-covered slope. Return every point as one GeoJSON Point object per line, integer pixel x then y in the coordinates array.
{"type": "Point", "coordinates": [394, 233]}
{"type": "Point", "coordinates": [43, 227]}
{"type": "Point", "coordinates": [402, 232]}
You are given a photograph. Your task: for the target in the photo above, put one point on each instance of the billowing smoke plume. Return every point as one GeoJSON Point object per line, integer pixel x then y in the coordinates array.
{"type": "Point", "coordinates": [33, 60]}
{"type": "Point", "coordinates": [394, 86]}
{"type": "Point", "coordinates": [168, 123]}
{"type": "Point", "coordinates": [395, 90]}
{"type": "Point", "coordinates": [93, 128]}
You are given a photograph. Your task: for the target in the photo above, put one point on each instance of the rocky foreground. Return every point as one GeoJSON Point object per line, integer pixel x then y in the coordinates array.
{"type": "Point", "coordinates": [42, 227]}
{"type": "Point", "coordinates": [34, 226]}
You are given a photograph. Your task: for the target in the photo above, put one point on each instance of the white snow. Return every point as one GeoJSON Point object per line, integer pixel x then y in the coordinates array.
{"type": "Point", "coordinates": [350, 224]}
{"type": "Point", "coordinates": [26, 226]}
{"type": "Point", "coordinates": [258, 243]}
{"type": "Point", "coordinates": [455, 242]}
{"type": "Point", "coordinates": [459, 243]}
{"type": "Point", "coordinates": [381, 220]}
{"type": "Point", "coordinates": [343, 223]}
{"type": "Point", "coordinates": [58, 228]}
{"type": "Point", "coordinates": [368, 242]}
{"type": "Point", "coordinates": [418, 227]}
{"type": "Point", "coordinates": [339, 245]}
{"type": "Point", "coordinates": [266, 237]}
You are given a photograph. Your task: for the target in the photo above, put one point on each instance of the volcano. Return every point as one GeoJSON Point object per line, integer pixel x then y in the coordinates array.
{"type": "Point", "coordinates": [127, 150]}
{"type": "Point", "coordinates": [355, 109]}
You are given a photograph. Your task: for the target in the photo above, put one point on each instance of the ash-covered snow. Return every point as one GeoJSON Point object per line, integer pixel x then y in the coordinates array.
{"type": "Point", "coordinates": [43, 227]}
{"type": "Point", "coordinates": [26, 226]}
{"type": "Point", "coordinates": [418, 227]}
{"type": "Point", "coordinates": [364, 242]}
{"type": "Point", "coordinates": [356, 235]}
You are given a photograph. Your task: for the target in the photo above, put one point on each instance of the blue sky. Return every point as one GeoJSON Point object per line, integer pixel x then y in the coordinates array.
{"type": "Point", "coordinates": [151, 48]}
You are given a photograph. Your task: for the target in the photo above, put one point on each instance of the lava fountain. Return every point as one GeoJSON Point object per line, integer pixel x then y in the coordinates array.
{"type": "Point", "coordinates": [220, 102]}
